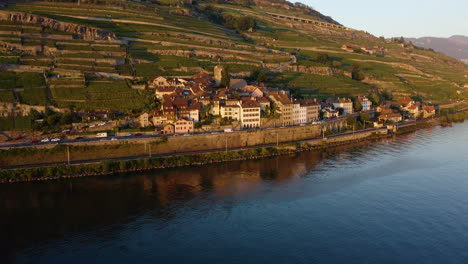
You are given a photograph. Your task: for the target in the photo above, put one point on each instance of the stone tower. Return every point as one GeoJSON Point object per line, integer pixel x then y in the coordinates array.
{"type": "Point", "coordinates": [218, 74]}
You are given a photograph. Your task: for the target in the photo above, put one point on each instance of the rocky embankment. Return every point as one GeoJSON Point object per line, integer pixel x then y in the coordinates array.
{"type": "Point", "coordinates": [81, 32]}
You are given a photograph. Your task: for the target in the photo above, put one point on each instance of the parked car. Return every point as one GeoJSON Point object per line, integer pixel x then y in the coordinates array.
{"type": "Point", "coordinates": [84, 127]}
{"type": "Point", "coordinates": [176, 135]}
{"type": "Point", "coordinates": [66, 130]}
{"type": "Point", "coordinates": [45, 140]}
{"type": "Point", "coordinates": [55, 139]}
{"type": "Point", "coordinates": [79, 138]}
{"type": "Point", "coordinates": [17, 138]}
{"type": "Point", "coordinates": [34, 141]}
{"type": "Point", "coordinates": [138, 134]}
{"type": "Point", "coordinates": [214, 133]}
{"type": "Point", "coordinates": [128, 135]}
{"type": "Point", "coordinates": [157, 133]}
{"type": "Point", "coordinates": [186, 135]}
{"type": "Point", "coordinates": [114, 139]}
{"type": "Point", "coordinates": [92, 126]}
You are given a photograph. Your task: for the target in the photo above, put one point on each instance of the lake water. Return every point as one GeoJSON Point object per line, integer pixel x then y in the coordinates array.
{"type": "Point", "coordinates": [401, 200]}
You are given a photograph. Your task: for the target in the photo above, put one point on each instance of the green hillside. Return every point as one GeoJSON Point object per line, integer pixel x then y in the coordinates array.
{"type": "Point", "coordinates": [105, 47]}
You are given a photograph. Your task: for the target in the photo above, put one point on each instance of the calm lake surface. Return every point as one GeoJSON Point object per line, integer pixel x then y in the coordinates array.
{"type": "Point", "coordinates": [401, 200]}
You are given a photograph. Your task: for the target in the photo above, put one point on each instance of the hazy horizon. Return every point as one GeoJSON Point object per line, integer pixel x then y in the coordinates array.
{"type": "Point", "coordinates": [413, 19]}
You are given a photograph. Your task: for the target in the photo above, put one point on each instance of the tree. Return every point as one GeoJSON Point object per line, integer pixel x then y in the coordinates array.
{"type": "Point", "coordinates": [357, 105]}
{"type": "Point", "coordinates": [356, 73]}
{"type": "Point", "coordinates": [261, 76]}
{"type": "Point", "coordinates": [236, 95]}
{"type": "Point", "coordinates": [364, 117]}
{"type": "Point", "coordinates": [374, 98]}
{"type": "Point", "coordinates": [322, 58]}
{"type": "Point", "coordinates": [351, 120]}
{"type": "Point", "coordinates": [225, 78]}
{"type": "Point", "coordinates": [387, 95]}
{"type": "Point", "coordinates": [66, 119]}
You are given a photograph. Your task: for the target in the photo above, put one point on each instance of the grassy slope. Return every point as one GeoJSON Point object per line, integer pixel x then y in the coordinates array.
{"type": "Point", "coordinates": [161, 29]}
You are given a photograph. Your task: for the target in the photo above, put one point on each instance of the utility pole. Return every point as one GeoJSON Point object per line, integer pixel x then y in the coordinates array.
{"type": "Point", "coordinates": [68, 154]}
{"type": "Point", "coordinates": [149, 150]}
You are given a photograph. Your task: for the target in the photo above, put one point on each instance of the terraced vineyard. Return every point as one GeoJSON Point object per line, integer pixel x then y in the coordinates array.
{"type": "Point", "coordinates": [87, 56]}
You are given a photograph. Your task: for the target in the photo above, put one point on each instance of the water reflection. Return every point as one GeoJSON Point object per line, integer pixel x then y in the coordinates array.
{"type": "Point", "coordinates": [35, 214]}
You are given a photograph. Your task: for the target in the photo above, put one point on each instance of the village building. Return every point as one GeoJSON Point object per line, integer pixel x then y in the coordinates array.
{"type": "Point", "coordinates": [284, 107]}
{"type": "Point", "coordinates": [264, 103]}
{"type": "Point", "coordinates": [348, 48]}
{"type": "Point", "coordinates": [194, 112]}
{"type": "Point", "coordinates": [312, 108]}
{"type": "Point", "coordinates": [388, 115]}
{"type": "Point", "coordinates": [236, 84]}
{"type": "Point", "coordinates": [215, 104]}
{"type": "Point", "coordinates": [251, 91]}
{"type": "Point", "coordinates": [330, 113]}
{"type": "Point", "coordinates": [413, 110]}
{"type": "Point", "coordinates": [406, 102]}
{"type": "Point", "coordinates": [145, 120]}
{"type": "Point", "coordinates": [231, 112]}
{"type": "Point", "coordinates": [183, 126]}
{"type": "Point", "coordinates": [345, 103]}
{"type": "Point", "coordinates": [160, 92]}
{"type": "Point", "coordinates": [159, 119]}
{"type": "Point", "coordinates": [367, 50]}
{"type": "Point", "coordinates": [365, 102]}
{"type": "Point", "coordinates": [166, 129]}
{"type": "Point", "coordinates": [250, 114]}
{"type": "Point", "coordinates": [159, 82]}
{"type": "Point", "coordinates": [428, 111]}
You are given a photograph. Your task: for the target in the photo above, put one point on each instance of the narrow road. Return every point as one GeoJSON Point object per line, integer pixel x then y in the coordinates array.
{"type": "Point", "coordinates": [95, 161]}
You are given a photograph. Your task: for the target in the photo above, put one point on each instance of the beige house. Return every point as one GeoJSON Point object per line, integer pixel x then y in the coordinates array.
{"type": "Point", "coordinates": [428, 111]}
{"type": "Point", "coordinates": [389, 115]}
{"type": "Point", "coordinates": [144, 120]}
{"type": "Point", "coordinates": [166, 129]}
{"type": "Point", "coordinates": [159, 120]}
{"type": "Point", "coordinates": [283, 106]}
{"type": "Point", "coordinates": [183, 126]}
{"type": "Point", "coordinates": [344, 103]}
{"type": "Point", "coordinates": [231, 111]}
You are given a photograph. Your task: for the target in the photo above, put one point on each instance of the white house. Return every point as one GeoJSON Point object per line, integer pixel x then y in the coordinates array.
{"type": "Point", "coordinates": [365, 102]}
{"type": "Point", "coordinates": [250, 114]}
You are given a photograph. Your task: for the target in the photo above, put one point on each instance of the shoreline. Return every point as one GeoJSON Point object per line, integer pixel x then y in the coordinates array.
{"type": "Point", "coordinates": [115, 166]}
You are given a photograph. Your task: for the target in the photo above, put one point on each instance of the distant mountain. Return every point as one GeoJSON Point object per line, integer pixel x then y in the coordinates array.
{"type": "Point", "coordinates": [455, 46]}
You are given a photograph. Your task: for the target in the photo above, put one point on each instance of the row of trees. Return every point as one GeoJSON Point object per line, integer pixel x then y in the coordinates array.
{"type": "Point", "coordinates": [51, 120]}
{"type": "Point", "coordinates": [216, 15]}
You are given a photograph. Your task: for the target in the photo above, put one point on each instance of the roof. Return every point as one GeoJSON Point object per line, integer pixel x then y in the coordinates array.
{"type": "Point", "coordinates": [338, 100]}
{"type": "Point", "coordinates": [280, 97]}
{"type": "Point", "coordinates": [166, 89]}
{"type": "Point", "coordinates": [429, 108]}
{"type": "Point", "coordinates": [263, 100]}
{"type": "Point", "coordinates": [390, 115]}
{"type": "Point", "coordinates": [180, 102]}
{"type": "Point", "coordinates": [237, 83]}
{"type": "Point", "coordinates": [250, 104]}
{"type": "Point", "coordinates": [196, 106]}
{"type": "Point", "coordinates": [405, 101]}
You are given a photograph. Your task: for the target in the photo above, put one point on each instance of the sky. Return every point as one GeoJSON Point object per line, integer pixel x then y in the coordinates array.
{"type": "Point", "coordinates": [396, 18]}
